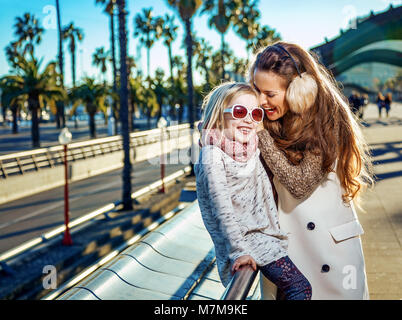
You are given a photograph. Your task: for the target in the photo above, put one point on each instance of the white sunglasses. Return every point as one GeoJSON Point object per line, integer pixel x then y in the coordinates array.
{"type": "Point", "coordinates": [240, 112]}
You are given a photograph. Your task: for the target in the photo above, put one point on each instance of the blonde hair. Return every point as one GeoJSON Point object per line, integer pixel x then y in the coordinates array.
{"type": "Point", "coordinates": [218, 99]}
{"type": "Point", "coordinates": [327, 127]}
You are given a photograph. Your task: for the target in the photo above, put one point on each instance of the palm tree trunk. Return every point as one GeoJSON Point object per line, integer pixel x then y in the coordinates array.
{"type": "Point", "coordinates": [14, 110]}
{"type": "Point", "coordinates": [92, 125]}
{"type": "Point", "coordinates": [170, 62]}
{"type": "Point", "coordinates": [4, 111]}
{"type": "Point", "coordinates": [112, 40]}
{"type": "Point", "coordinates": [189, 44]}
{"type": "Point", "coordinates": [127, 202]}
{"type": "Point", "coordinates": [222, 55]}
{"type": "Point", "coordinates": [73, 63]}
{"type": "Point", "coordinates": [60, 118]}
{"type": "Point", "coordinates": [33, 102]}
{"type": "Point", "coordinates": [206, 70]}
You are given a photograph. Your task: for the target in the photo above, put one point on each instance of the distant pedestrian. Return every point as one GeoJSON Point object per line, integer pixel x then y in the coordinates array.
{"type": "Point", "coordinates": [380, 103]}
{"type": "Point", "coordinates": [354, 103]}
{"type": "Point", "coordinates": [387, 102]}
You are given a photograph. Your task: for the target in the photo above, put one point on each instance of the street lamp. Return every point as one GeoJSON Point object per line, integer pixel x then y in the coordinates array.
{"type": "Point", "coordinates": [64, 139]}
{"type": "Point", "coordinates": [162, 123]}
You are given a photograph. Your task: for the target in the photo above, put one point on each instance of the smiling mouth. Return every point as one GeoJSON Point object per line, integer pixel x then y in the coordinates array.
{"type": "Point", "coordinates": [270, 110]}
{"type": "Point", "coordinates": [244, 130]}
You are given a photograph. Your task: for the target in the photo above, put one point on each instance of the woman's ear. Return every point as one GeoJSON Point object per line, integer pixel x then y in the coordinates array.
{"type": "Point", "coordinates": [301, 93]}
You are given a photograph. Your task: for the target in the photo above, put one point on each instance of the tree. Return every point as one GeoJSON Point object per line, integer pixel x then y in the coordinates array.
{"type": "Point", "coordinates": [239, 69]}
{"type": "Point", "coordinates": [159, 87]}
{"type": "Point", "coordinates": [73, 34]}
{"type": "Point", "coordinates": [265, 37]}
{"type": "Point", "coordinates": [11, 100]}
{"type": "Point", "coordinates": [203, 51]}
{"type": "Point", "coordinates": [92, 96]}
{"type": "Point", "coordinates": [186, 10]}
{"type": "Point", "coordinates": [169, 33]}
{"type": "Point", "coordinates": [36, 86]}
{"type": "Point", "coordinates": [28, 32]}
{"type": "Point", "coordinates": [99, 59]}
{"type": "Point", "coordinates": [216, 59]}
{"type": "Point", "coordinates": [148, 29]}
{"type": "Point", "coordinates": [246, 21]}
{"type": "Point", "coordinates": [13, 54]}
{"type": "Point", "coordinates": [127, 202]}
{"type": "Point", "coordinates": [222, 16]}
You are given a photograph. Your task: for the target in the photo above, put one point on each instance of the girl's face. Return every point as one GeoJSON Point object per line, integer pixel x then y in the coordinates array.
{"type": "Point", "coordinates": [241, 130]}
{"type": "Point", "coordinates": [272, 90]}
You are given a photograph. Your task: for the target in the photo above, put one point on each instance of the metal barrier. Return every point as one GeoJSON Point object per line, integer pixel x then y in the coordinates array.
{"type": "Point", "coordinates": [240, 285]}
{"type": "Point", "coordinates": [34, 160]}
{"type": "Point", "coordinates": [165, 264]}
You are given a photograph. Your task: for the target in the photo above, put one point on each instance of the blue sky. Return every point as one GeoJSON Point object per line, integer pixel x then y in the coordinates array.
{"type": "Point", "coordinates": [305, 22]}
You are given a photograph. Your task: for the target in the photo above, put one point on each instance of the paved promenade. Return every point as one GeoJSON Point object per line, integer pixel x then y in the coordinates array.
{"type": "Point", "coordinates": [382, 221]}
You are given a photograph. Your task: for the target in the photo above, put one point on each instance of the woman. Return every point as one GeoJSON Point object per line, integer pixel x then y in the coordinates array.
{"type": "Point", "coordinates": [314, 147]}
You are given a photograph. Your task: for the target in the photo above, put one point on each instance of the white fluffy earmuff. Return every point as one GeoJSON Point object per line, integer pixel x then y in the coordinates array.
{"type": "Point", "coordinates": [301, 93]}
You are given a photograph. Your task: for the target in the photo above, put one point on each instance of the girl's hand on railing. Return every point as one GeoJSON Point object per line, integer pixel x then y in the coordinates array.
{"type": "Point", "coordinates": [244, 260]}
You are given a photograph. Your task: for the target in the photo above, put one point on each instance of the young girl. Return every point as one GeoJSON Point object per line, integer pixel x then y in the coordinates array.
{"type": "Point", "coordinates": [235, 194]}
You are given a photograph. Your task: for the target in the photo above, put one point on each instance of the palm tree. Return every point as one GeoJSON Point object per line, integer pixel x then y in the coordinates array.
{"type": "Point", "coordinates": [239, 69]}
{"type": "Point", "coordinates": [127, 202]}
{"type": "Point", "coordinates": [109, 10]}
{"type": "Point", "coordinates": [148, 29]}
{"type": "Point", "coordinates": [187, 10]}
{"type": "Point", "coordinates": [99, 59]}
{"type": "Point", "coordinates": [10, 99]}
{"type": "Point", "coordinates": [222, 16]}
{"type": "Point", "coordinates": [36, 86]}
{"type": "Point", "coordinates": [60, 105]}
{"type": "Point", "coordinates": [28, 32]}
{"type": "Point", "coordinates": [216, 59]}
{"type": "Point", "coordinates": [169, 33]}
{"type": "Point", "coordinates": [73, 34]}
{"type": "Point", "coordinates": [246, 21]}
{"type": "Point", "coordinates": [93, 96]}
{"type": "Point", "coordinates": [110, 6]}
{"type": "Point", "coordinates": [203, 52]}
{"type": "Point", "coordinates": [13, 54]}
{"type": "Point", "coordinates": [265, 37]}
{"type": "Point", "coordinates": [160, 89]}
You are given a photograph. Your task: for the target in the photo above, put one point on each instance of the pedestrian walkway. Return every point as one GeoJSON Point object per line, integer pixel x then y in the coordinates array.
{"type": "Point", "coordinates": [382, 221]}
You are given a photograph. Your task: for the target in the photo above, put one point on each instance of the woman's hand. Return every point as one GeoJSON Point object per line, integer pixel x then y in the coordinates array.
{"type": "Point", "coordinates": [244, 260]}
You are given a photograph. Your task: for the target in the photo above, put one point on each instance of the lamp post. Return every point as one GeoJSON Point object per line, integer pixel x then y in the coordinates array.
{"type": "Point", "coordinates": [64, 139]}
{"type": "Point", "coordinates": [162, 123]}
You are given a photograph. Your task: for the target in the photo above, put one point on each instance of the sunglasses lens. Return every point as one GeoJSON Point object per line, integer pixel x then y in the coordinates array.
{"type": "Point", "coordinates": [239, 112]}
{"type": "Point", "coordinates": [257, 114]}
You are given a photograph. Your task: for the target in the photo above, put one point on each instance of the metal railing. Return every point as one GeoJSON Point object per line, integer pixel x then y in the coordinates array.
{"type": "Point", "coordinates": [240, 285]}
{"type": "Point", "coordinates": [34, 160]}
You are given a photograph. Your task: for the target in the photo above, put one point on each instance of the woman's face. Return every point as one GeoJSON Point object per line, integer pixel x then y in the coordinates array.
{"type": "Point", "coordinates": [241, 130]}
{"type": "Point", "coordinates": [272, 90]}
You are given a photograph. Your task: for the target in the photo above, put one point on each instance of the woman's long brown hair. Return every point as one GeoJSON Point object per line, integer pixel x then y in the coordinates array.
{"type": "Point", "coordinates": [328, 127]}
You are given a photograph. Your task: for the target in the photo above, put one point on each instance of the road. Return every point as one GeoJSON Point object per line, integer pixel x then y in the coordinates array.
{"type": "Point", "coordinates": [24, 219]}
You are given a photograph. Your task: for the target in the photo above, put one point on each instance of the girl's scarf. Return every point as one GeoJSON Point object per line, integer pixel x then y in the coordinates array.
{"type": "Point", "coordinates": [241, 152]}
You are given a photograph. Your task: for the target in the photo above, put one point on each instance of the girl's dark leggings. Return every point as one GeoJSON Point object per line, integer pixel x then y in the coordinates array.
{"type": "Point", "coordinates": [285, 275]}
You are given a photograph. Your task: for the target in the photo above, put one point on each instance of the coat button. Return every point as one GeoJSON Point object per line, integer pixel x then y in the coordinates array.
{"type": "Point", "coordinates": [325, 268]}
{"type": "Point", "coordinates": [311, 226]}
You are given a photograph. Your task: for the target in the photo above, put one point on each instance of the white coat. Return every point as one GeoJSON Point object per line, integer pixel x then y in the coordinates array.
{"type": "Point", "coordinates": [324, 242]}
